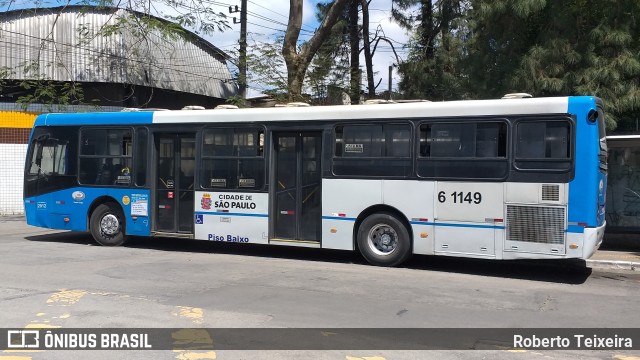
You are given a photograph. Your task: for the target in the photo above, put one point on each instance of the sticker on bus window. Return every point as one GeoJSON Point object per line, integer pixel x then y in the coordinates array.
{"type": "Point", "coordinates": [218, 182]}
{"type": "Point", "coordinates": [125, 176]}
{"type": "Point", "coordinates": [354, 148]}
{"type": "Point", "coordinates": [123, 179]}
{"type": "Point", "coordinates": [247, 183]}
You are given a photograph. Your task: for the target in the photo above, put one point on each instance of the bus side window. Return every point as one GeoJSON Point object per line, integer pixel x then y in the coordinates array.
{"type": "Point", "coordinates": [373, 150]}
{"type": "Point", "coordinates": [425, 141]}
{"type": "Point", "coordinates": [232, 158]}
{"type": "Point", "coordinates": [453, 140]}
{"type": "Point", "coordinates": [543, 140]}
{"type": "Point", "coordinates": [106, 156]}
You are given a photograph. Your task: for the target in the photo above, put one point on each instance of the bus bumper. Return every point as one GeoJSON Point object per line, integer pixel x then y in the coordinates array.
{"type": "Point", "coordinates": [592, 240]}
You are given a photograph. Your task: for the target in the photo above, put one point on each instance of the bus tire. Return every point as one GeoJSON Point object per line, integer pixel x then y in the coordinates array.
{"type": "Point", "coordinates": [107, 224]}
{"type": "Point", "coordinates": [384, 240]}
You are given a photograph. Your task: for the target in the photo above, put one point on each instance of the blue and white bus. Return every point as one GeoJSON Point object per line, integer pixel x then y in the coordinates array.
{"type": "Point", "coordinates": [494, 179]}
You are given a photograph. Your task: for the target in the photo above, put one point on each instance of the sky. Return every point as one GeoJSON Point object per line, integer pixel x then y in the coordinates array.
{"type": "Point", "coordinates": [276, 14]}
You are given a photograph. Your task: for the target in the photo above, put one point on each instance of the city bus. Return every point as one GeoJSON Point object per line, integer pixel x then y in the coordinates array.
{"type": "Point", "coordinates": [520, 178]}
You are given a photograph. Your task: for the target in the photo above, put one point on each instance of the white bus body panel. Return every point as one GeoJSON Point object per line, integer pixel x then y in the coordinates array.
{"type": "Point", "coordinates": [414, 199]}
{"type": "Point", "coordinates": [538, 201]}
{"type": "Point", "coordinates": [342, 201]}
{"type": "Point", "coordinates": [448, 218]}
{"type": "Point", "coordinates": [231, 217]}
{"type": "Point", "coordinates": [469, 218]}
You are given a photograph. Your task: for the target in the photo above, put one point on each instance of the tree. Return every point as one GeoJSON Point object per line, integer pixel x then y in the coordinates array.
{"type": "Point", "coordinates": [267, 67]}
{"type": "Point", "coordinates": [329, 68]}
{"type": "Point", "coordinates": [435, 66]}
{"type": "Point", "coordinates": [299, 59]}
{"type": "Point", "coordinates": [554, 48]}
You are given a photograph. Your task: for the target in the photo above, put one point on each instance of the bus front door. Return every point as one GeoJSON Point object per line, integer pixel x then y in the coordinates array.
{"type": "Point", "coordinates": [175, 165]}
{"type": "Point", "coordinates": [296, 190]}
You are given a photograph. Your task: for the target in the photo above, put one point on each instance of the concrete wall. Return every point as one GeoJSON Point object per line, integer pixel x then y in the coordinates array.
{"type": "Point", "coordinates": [11, 177]}
{"type": "Point", "coordinates": [15, 126]}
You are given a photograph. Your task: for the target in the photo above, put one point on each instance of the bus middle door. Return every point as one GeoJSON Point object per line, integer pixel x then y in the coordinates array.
{"type": "Point", "coordinates": [296, 193]}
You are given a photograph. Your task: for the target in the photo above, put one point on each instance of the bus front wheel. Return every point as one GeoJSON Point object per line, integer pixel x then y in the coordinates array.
{"type": "Point", "coordinates": [107, 225]}
{"type": "Point", "coordinates": [384, 240]}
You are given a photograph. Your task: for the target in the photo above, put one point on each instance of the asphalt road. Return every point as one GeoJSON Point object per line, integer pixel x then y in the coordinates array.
{"type": "Point", "coordinates": [63, 280]}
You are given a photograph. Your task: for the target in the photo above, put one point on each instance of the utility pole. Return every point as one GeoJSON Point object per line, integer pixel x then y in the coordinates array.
{"type": "Point", "coordinates": [390, 79]}
{"type": "Point", "coordinates": [242, 62]}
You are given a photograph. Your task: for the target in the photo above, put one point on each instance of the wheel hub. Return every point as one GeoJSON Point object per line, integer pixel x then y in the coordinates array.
{"type": "Point", "coordinates": [382, 239]}
{"type": "Point", "coordinates": [386, 239]}
{"type": "Point", "coordinates": [109, 225]}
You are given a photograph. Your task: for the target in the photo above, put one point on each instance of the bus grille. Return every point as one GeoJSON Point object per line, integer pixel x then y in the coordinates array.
{"type": "Point", "coordinates": [535, 224]}
{"type": "Point", "coordinates": [550, 192]}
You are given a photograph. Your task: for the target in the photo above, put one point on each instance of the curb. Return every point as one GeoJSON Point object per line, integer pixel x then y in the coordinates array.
{"type": "Point", "coordinates": [614, 265]}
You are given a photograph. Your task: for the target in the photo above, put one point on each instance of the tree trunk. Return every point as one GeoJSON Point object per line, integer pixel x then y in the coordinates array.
{"type": "Point", "coordinates": [354, 42]}
{"type": "Point", "coordinates": [298, 61]}
{"type": "Point", "coordinates": [368, 58]}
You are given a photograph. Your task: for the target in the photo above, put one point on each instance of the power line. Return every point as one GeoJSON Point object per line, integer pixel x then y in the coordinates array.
{"type": "Point", "coordinates": [275, 22]}
{"type": "Point", "coordinates": [260, 6]}
{"type": "Point", "coordinates": [266, 27]}
{"type": "Point", "coordinates": [279, 14]}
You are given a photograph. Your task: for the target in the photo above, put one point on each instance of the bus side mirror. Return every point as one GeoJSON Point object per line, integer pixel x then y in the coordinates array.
{"type": "Point", "coordinates": [592, 116]}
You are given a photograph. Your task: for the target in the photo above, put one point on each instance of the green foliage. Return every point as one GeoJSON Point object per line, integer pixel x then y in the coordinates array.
{"type": "Point", "coordinates": [330, 65]}
{"type": "Point", "coordinates": [563, 49]}
{"type": "Point", "coordinates": [433, 70]}
{"type": "Point", "coordinates": [238, 101]}
{"type": "Point", "coordinates": [547, 48]}
{"type": "Point", "coordinates": [55, 96]}
{"type": "Point", "coordinates": [267, 66]}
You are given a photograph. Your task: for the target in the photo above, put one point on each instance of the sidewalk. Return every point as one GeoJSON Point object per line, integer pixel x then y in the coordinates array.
{"type": "Point", "coordinates": [618, 251]}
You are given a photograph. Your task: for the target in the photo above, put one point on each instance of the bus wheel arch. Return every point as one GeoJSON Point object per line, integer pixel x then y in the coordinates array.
{"type": "Point", "coordinates": [383, 236]}
{"type": "Point", "coordinates": [107, 222]}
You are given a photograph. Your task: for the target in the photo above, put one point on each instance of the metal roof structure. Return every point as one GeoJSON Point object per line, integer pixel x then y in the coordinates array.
{"type": "Point", "coordinates": [69, 44]}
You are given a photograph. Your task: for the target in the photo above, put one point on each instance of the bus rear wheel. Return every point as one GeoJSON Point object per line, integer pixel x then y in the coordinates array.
{"type": "Point", "coordinates": [384, 240]}
{"type": "Point", "coordinates": [107, 225]}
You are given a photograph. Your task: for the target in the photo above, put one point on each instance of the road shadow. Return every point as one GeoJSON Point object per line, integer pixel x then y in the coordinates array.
{"type": "Point", "coordinates": [622, 241]}
{"type": "Point", "coordinates": [556, 271]}
{"type": "Point", "coordinates": [69, 237]}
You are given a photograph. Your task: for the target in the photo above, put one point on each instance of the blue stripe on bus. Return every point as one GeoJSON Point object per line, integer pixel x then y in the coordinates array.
{"type": "Point", "coordinates": [229, 214]}
{"type": "Point", "coordinates": [420, 223]}
{"type": "Point", "coordinates": [338, 218]}
{"type": "Point", "coordinates": [103, 118]}
{"type": "Point", "coordinates": [465, 225]}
